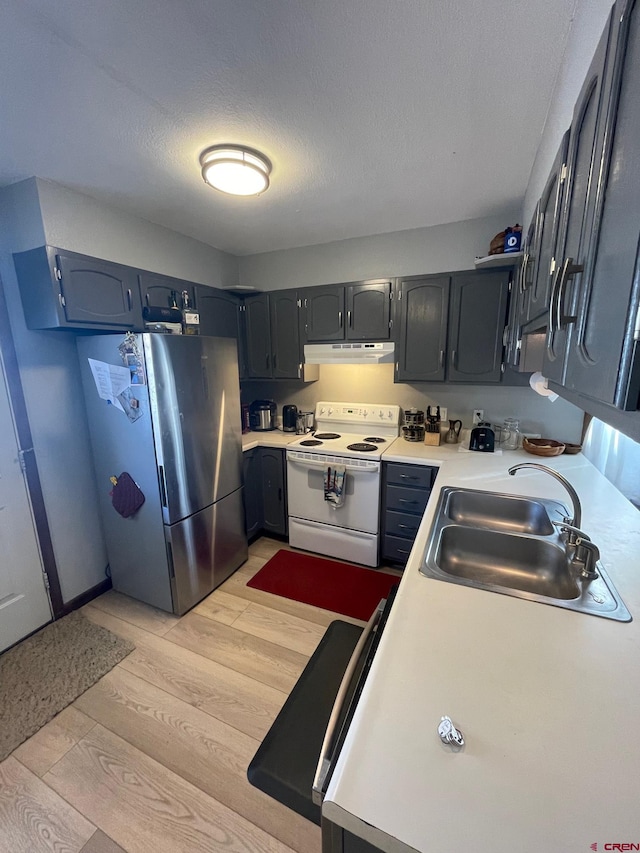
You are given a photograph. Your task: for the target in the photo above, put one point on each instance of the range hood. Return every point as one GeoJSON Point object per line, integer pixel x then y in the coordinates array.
{"type": "Point", "coordinates": [352, 353]}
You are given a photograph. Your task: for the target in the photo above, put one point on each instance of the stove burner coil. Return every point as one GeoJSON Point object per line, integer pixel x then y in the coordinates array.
{"type": "Point", "coordinates": [375, 439]}
{"type": "Point", "coordinates": [327, 435]}
{"type": "Point", "coordinates": [362, 446]}
{"type": "Point", "coordinates": [310, 442]}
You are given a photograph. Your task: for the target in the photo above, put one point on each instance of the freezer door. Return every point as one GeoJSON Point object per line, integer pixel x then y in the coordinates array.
{"type": "Point", "coordinates": [194, 391]}
{"type": "Point", "coordinates": [205, 549]}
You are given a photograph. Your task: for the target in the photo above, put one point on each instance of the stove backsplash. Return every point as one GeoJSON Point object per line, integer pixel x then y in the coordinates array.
{"type": "Point", "coordinates": [374, 384]}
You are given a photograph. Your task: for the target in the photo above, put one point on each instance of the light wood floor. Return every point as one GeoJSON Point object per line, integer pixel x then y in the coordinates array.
{"type": "Point", "coordinates": [153, 758]}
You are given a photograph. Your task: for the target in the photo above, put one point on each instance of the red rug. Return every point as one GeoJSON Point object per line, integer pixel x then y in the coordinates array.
{"type": "Point", "coordinates": [349, 590]}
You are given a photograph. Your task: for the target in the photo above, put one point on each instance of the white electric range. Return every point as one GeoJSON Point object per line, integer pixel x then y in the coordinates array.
{"type": "Point", "coordinates": [352, 435]}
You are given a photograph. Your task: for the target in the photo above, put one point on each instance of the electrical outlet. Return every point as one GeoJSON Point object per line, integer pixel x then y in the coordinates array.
{"type": "Point", "coordinates": [443, 413]}
{"type": "Point", "coordinates": [478, 415]}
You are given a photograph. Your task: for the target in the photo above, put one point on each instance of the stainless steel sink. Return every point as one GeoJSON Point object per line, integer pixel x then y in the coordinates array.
{"type": "Point", "coordinates": [503, 512]}
{"type": "Point", "coordinates": [507, 544]}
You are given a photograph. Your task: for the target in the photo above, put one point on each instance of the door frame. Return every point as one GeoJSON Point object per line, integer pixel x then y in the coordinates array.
{"type": "Point", "coordinates": [30, 467]}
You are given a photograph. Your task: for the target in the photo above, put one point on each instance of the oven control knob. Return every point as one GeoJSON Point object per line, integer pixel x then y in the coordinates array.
{"type": "Point", "coordinates": [322, 410]}
{"type": "Point", "coordinates": [330, 411]}
{"type": "Point", "coordinates": [365, 413]}
{"type": "Point", "coordinates": [380, 414]}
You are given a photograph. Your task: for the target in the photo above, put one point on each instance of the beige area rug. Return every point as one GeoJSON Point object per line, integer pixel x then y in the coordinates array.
{"type": "Point", "coordinates": [46, 672]}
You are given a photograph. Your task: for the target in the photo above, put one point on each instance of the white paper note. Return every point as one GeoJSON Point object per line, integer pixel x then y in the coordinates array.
{"type": "Point", "coordinates": [111, 380]}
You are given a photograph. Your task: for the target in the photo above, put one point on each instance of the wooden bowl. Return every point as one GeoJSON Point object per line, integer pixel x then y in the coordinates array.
{"type": "Point", "coordinates": [572, 448]}
{"type": "Point", "coordinates": [543, 446]}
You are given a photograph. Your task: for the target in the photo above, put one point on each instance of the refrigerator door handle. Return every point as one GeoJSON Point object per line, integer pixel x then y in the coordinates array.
{"type": "Point", "coordinates": [163, 486]}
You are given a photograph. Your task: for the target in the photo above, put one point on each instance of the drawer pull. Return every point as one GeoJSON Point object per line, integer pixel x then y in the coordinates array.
{"type": "Point", "coordinates": [404, 501]}
{"type": "Point", "coordinates": [407, 527]}
{"type": "Point", "coordinates": [408, 477]}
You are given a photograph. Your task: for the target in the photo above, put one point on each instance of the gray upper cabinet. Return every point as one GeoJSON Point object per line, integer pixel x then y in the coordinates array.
{"type": "Point", "coordinates": [368, 311]}
{"type": "Point", "coordinates": [602, 359]}
{"type": "Point", "coordinates": [477, 321]}
{"type": "Point", "coordinates": [577, 216]}
{"type": "Point", "coordinates": [271, 335]}
{"type": "Point", "coordinates": [65, 290]}
{"type": "Point", "coordinates": [220, 318]}
{"type": "Point", "coordinates": [528, 269]}
{"type": "Point", "coordinates": [420, 326]}
{"type": "Point", "coordinates": [285, 342]}
{"type": "Point", "coordinates": [548, 223]}
{"type": "Point", "coordinates": [161, 291]}
{"type": "Point", "coordinates": [324, 313]}
{"type": "Point", "coordinates": [258, 336]}
{"type": "Point", "coordinates": [357, 311]}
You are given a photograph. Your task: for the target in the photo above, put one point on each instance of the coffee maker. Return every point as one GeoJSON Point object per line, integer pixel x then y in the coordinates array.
{"type": "Point", "coordinates": [289, 415]}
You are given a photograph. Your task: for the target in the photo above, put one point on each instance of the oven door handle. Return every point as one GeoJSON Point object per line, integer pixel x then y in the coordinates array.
{"type": "Point", "coordinates": [324, 762]}
{"type": "Point", "coordinates": [308, 463]}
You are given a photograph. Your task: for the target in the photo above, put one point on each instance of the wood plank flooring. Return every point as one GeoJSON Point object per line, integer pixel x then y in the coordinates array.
{"type": "Point", "coordinates": [154, 756]}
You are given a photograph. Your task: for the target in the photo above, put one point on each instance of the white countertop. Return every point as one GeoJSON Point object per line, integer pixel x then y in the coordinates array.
{"type": "Point", "coordinates": [548, 699]}
{"type": "Point", "coordinates": [267, 438]}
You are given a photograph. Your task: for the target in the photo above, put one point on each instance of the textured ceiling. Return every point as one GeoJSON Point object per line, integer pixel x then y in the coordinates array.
{"type": "Point", "coordinates": [378, 115]}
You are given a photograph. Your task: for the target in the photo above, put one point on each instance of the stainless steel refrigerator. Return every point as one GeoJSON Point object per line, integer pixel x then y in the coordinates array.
{"type": "Point", "coordinates": [176, 430]}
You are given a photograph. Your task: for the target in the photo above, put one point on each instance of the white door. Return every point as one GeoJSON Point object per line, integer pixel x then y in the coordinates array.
{"type": "Point", "coordinates": [24, 600]}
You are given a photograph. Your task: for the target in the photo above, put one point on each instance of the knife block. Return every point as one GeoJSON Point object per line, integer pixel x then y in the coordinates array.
{"type": "Point", "coordinates": [432, 438]}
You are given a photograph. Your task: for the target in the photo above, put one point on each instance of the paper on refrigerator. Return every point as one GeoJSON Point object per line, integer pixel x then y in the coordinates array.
{"type": "Point", "coordinates": [111, 380]}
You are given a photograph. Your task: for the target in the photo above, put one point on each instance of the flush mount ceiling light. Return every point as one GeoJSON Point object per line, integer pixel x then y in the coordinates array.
{"type": "Point", "coordinates": [235, 169]}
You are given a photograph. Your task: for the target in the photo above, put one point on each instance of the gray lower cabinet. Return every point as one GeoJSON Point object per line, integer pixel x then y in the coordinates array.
{"type": "Point", "coordinates": [335, 839]}
{"type": "Point", "coordinates": [252, 492]}
{"type": "Point", "coordinates": [477, 321]}
{"type": "Point", "coordinates": [65, 290]}
{"type": "Point", "coordinates": [356, 311]}
{"type": "Point", "coordinates": [405, 493]}
{"type": "Point", "coordinates": [265, 492]}
{"type": "Point", "coordinates": [220, 318]}
{"type": "Point", "coordinates": [420, 327]}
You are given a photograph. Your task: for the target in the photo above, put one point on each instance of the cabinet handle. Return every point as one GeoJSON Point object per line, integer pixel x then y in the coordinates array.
{"type": "Point", "coordinates": [569, 269]}
{"type": "Point", "coordinates": [453, 357]}
{"type": "Point", "coordinates": [552, 300]}
{"type": "Point", "coordinates": [523, 273]}
{"type": "Point", "coordinates": [441, 358]}
{"type": "Point", "coordinates": [407, 527]}
{"type": "Point", "coordinates": [129, 299]}
{"type": "Point", "coordinates": [408, 477]}
{"type": "Point", "coordinates": [340, 319]}
{"type": "Point", "coordinates": [404, 501]}
{"type": "Point", "coordinates": [349, 319]}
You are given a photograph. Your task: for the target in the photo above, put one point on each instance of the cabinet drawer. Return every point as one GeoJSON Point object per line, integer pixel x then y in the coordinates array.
{"type": "Point", "coordinates": [396, 549]}
{"type": "Point", "coordinates": [402, 524]}
{"type": "Point", "coordinates": [406, 499]}
{"type": "Point", "coordinates": [419, 476]}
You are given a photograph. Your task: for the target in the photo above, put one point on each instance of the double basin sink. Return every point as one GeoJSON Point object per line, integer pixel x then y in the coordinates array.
{"type": "Point", "coordinates": [509, 544]}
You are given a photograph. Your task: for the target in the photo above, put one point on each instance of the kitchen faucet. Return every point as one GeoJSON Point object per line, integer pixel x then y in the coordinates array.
{"type": "Point", "coordinates": [577, 508]}
{"type": "Point", "coordinates": [586, 554]}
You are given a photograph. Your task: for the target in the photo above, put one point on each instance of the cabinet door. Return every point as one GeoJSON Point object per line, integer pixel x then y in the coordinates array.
{"type": "Point", "coordinates": [285, 343]}
{"type": "Point", "coordinates": [161, 291]}
{"type": "Point", "coordinates": [421, 328]}
{"type": "Point", "coordinates": [274, 499]}
{"type": "Point", "coordinates": [577, 213]}
{"type": "Point", "coordinates": [368, 311]}
{"type": "Point", "coordinates": [547, 233]}
{"type": "Point", "coordinates": [477, 321]}
{"type": "Point", "coordinates": [324, 313]}
{"type": "Point", "coordinates": [528, 270]}
{"type": "Point", "coordinates": [98, 293]}
{"type": "Point", "coordinates": [220, 317]}
{"type": "Point", "coordinates": [252, 493]}
{"type": "Point", "coordinates": [257, 336]}
{"type": "Point", "coordinates": [603, 359]}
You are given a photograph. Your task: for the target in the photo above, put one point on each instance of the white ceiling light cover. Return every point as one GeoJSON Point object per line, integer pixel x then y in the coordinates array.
{"type": "Point", "coordinates": [235, 170]}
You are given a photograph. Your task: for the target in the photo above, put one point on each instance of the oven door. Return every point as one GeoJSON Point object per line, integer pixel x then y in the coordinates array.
{"type": "Point", "coordinates": [305, 488]}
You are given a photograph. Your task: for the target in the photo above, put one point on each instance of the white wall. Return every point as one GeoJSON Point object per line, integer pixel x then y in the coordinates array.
{"type": "Point", "coordinates": [588, 24]}
{"type": "Point", "coordinates": [33, 213]}
{"type": "Point", "coordinates": [421, 250]}
{"type": "Point", "coordinates": [374, 384]}
{"type": "Point", "coordinates": [79, 223]}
